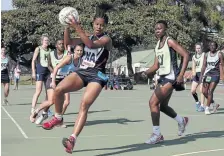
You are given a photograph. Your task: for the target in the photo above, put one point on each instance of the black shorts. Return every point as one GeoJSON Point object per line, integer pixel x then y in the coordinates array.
{"type": "Point", "coordinates": [210, 79]}
{"type": "Point", "coordinates": [42, 76]}
{"type": "Point", "coordinates": [196, 78]}
{"type": "Point", "coordinates": [49, 80]}
{"type": "Point", "coordinates": [178, 87]}
{"type": "Point", "coordinates": [92, 75]}
{"type": "Point", "coordinates": [5, 78]}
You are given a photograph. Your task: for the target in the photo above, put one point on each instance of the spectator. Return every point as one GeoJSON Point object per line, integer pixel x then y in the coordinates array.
{"type": "Point", "coordinates": [17, 72]}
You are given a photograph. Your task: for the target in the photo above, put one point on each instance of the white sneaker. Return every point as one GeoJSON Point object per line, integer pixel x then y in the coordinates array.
{"type": "Point", "coordinates": [182, 126]}
{"type": "Point", "coordinates": [154, 139]}
{"type": "Point", "coordinates": [215, 108]}
{"type": "Point", "coordinates": [41, 118]}
{"type": "Point", "coordinates": [207, 111]}
{"type": "Point", "coordinates": [5, 102]}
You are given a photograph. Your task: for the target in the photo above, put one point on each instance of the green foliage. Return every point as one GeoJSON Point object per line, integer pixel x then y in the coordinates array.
{"type": "Point", "coordinates": [131, 23]}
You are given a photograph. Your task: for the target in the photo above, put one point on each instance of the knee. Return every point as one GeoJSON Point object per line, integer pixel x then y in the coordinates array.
{"type": "Point", "coordinates": [162, 108]}
{"type": "Point", "coordinates": [84, 107]}
{"type": "Point", "coordinates": [210, 91]}
{"type": "Point", "coordinates": [66, 103]}
{"type": "Point", "coordinates": [38, 91]}
{"type": "Point", "coordinates": [204, 92]}
{"type": "Point", "coordinates": [50, 102]}
{"type": "Point", "coordinates": [193, 91]}
{"type": "Point", "coordinates": [58, 91]}
{"type": "Point", "coordinates": [152, 104]}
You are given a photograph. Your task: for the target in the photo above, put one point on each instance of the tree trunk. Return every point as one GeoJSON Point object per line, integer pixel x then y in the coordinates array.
{"type": "Point", "coordinates": [129, 63]}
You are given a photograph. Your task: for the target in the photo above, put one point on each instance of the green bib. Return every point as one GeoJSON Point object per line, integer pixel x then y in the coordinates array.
{"type": "Point", "coordinates": [54, 60]}
{"type": "Point", "coordinates": [44, 56]}
{"type": "Point", "coordinates": [198, 62]}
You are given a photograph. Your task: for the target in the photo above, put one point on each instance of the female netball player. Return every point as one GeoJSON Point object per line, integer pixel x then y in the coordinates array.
{"type": "Point", "coordinates": [197, 62]}
{"type": "Point", "coordinates": [5, 75]}
{"type": "Point", "coordinates": [170, 77]}
{"type": "Point", "coordinates": [90, 75]}
{"type": "Point", "coordinates": [61, 64]}
{"type": "Point", "coordinates": [212, 70]}
{"type": "Point", "coordinates": [40, 71]}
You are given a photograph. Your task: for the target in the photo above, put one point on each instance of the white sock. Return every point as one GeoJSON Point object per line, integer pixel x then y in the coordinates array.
{"type": "Point", "coordinates": [207, 108]}
{"type": "Point", "coordinates": [74, 136]}
{"type": "Point", "coordinates": [202, 105]}
{"type": "Point", "coordinates": [58, 116]}
{"type": "Point", "coordinates": [32, 110]}
{"type": "Point", "coordinates": [44, 112]}
{"type": "Point", "coordinates": [197, 102]}
{"type": "Point", "coordinates": [36, 111]}
{"type": "Point", "coordinates": [156, 130]}
{"type": "Point", "coordinates": [179, 119]}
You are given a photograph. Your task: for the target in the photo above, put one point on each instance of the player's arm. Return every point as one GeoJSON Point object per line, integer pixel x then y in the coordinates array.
{"type": "Point", "coordinates": [18, 70]}
{"type": "Point", "coordinates": [74, 41]}
{"type": "Point", "coordinates": [152, 70]}
{"type": "Point", "coordinates": [50, 67]}
{"type": "Point", "coordinates": [203, 67]}
{"type": "Point", "coordinates": [68, 40]}
{"type": "Point", "coordinates": [103, 42]}
{"type": "Point", "coordinates": [180, 50]}
{"type": "Point", "coordinates": [64, 62]}
{"type": "Point", "coordinates": [35, 55]}
{"type": "Point", "coordinates": [193, 67]}
{"type": "Point", "coordinates": [9, 66]}
{"type": "Point", "coordinates": [221, 66]}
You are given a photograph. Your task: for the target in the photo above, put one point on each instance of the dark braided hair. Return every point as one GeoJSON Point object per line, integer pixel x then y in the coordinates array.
{"type": "Point", "coordinates": [101, 12]}
{"type": "Point", "coordinates": [216, 44]}
{"type": "Point", "coordinates": [162, 22]}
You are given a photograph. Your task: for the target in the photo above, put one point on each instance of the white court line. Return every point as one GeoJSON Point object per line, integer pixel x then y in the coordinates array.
{"type": "Point", "coordinates": [219, 99]}
{"type": "Point", "coordinates": [17, 125]}
{"type": "Point", "coordinates": [191, 153]}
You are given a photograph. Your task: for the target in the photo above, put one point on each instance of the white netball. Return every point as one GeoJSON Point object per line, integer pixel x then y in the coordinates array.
{"type": "Point", "coordinates": [65, 13]}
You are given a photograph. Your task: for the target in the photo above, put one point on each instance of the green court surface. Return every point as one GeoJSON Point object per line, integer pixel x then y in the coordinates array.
{"type": "Point", "coordinates": [118, 124]}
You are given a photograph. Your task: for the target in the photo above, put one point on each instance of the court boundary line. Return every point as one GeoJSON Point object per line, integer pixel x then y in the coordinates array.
{"type": "Point", "coordinates": [17, 125]}
{"type": "Point", "coordinates": [191, 153]}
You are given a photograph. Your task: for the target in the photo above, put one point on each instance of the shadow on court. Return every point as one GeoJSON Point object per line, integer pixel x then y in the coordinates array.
{"type": "Point", "coordinates": [220, 111]}
{"type": "Point", "coordinates": [142, 146]}
{"type": "Point", "coordinates": [24, 104]}
{"type": "Point", "coordinates": [122, 121]}
{"type": "Point", "coordinates": [90, 112]}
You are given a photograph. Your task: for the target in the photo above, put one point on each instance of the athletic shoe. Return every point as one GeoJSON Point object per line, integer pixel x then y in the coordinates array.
{"type": "Point", "coordinates": [215, 108]}
{"type": "Point", "coordinates": [154, 139]}
{"type": "Point", "coordinates": [201, 109]}
{"type": "Point", "coordinates": [5, 102]}
{"type": "Point", "coordinates": [207, 111]}
{"type": "Point", "coordinates": [41, 118]}
{"type": "Point", "coordinates": [197, 106]}
{"type": "Point", "coordinates": [52, 123]}
{"type": "Point", "coordinates": [33, 116]}
{"type": "Point", "coordinates": [69, 144]}
{"type": "Point", "coordinates": [182, 126]}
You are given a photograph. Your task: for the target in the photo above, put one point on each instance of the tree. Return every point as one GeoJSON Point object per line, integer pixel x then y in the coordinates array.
{"type": "Point", "coordinates": [131, 23]}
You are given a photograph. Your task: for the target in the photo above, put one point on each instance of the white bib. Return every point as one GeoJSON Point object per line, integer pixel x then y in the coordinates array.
{"type": "Point", "coordinates": [163, 56]}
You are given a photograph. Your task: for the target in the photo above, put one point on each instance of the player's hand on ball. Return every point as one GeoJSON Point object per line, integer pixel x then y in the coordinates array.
{"type": "Point", "coordinates": [72, 20]}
